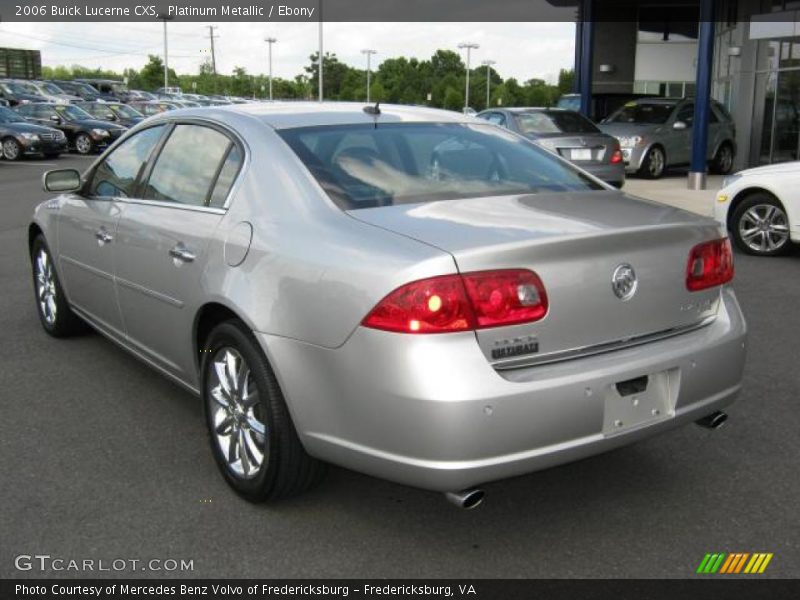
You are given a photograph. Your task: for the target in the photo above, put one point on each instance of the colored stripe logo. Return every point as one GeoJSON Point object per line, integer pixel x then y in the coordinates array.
{"type": "Point", "coordinates": [734, 563]}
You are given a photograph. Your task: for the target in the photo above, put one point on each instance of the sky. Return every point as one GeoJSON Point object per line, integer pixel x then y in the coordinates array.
{"type": "Point", "coordinates": [521, 50]}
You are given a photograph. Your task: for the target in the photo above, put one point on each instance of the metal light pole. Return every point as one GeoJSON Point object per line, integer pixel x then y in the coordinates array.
{"type": "Point", "coordinates": [369, 54]}
{"type": "Point", "coordinates": [320, 55]}
{"type": "Point", "coordinates": [488, 64]}
{"type": "Point", "coordinates": [270, 41]}
{"type": "Point", "coordinates": [165, 17]}
{"type": "Point", "coordinates": [469, 46]}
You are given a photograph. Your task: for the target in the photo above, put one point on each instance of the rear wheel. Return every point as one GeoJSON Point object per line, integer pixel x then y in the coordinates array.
{"type": "Point", "coordinates": [83, 144]}
{"type": "Point", "coordinates": [760, 226]}
{"type": "Point", "coordinates": [11, 149]}
{"type": "Point", "coordinates": [54, 311]}
{"type": "Point", "coordinates": [654, 163]}
{"type": "Point", "coordinates": [252, 436]}
{"type": "Point", "coordinates": [722, 163]}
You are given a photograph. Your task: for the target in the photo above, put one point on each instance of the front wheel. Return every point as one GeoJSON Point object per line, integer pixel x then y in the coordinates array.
{"type": "Point", "coordinates": [54, 311]}
{"type": "Point", "coordinates": [760, 226]}
{"type": "Point", "coordinates": [83, 144]}
{"type": "Point", "coordinates": [252, 436]}
{"type": "Point", "coordinates": [654, 163]}
{"type": "Point", "coordinates": [11, 149]}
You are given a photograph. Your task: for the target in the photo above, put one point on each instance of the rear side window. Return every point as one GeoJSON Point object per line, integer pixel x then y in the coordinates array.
{"type": "Point", "coordinates": [188, 165]}
{"type": "Point", "coordinates": [402, 163]}
{"type": "Point", "coordinates": [116, 176]}
{"type": "Point", "coordinates": [227, 174]}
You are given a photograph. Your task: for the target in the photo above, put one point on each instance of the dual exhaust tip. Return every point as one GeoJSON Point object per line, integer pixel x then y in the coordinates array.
{"type": "Point", "coordinates": [473, 497]}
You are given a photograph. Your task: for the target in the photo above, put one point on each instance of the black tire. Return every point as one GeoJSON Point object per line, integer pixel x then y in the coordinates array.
{"type": "Point", "coordinates": [52, 154]}
{"type": "Point", "coordinates": [11, 149]}
{"type": "Point", "coordinates": [286, 469]}
{"type": "Point", "coordinates": [62, 322]}
{"type": "Point", "coordinates": [722, 163]}
{"type": "Point", "coordinates": [775, 239]}
{"type": "Point", "coordinates": [654, 163]}
{"type": "Point", "coordinates": [84, 144]}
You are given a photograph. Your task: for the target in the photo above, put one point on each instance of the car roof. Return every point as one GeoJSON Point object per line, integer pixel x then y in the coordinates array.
{"type": "Point", "coordinates": [286, 115]}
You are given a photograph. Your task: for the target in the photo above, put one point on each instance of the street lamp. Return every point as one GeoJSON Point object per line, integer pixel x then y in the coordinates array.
{"type": "Point", "coordinates": [469, 46]}
{"type": "Point", "coordinates": [165, 17]}
{"type": "Point", "coordinates": [488, 64]}
{"type": "Point", "coordinates": [369, 54]}
{"type": "Point", "coordinates": [270, 41]}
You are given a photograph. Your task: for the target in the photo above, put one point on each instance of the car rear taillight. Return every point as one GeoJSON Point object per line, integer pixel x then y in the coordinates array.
{"type": "Point", "coordinates": [462, 303]}
{"type": "Point", "coordinates": [710, 264]}
{"type": "Point", "coordinates": [616, 156]}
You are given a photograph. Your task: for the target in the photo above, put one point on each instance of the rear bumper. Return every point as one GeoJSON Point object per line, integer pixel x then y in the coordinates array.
{"type": "Point", "coordinates": [429, 411]}
{"type": "Point", "coordinates": [613, 174]}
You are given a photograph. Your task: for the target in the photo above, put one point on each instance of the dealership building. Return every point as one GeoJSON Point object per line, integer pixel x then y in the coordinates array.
{"type": "Point", "coordinates": [743, 53]}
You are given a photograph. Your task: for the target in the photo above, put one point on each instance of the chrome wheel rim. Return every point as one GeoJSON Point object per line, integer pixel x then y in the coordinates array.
{"type": "Point", "coordinates": [725, 159]}
{"type": "Point", "coordinates": [45, 287]}
{"type": "Point", "coordinates": [237, 425]}
{"type": "Point", "coordinates": [764, 228]}
{"type": "Point", "coordinates": [10, 150]}
{"type": "Point", "coordinates": [83, 144]}
{"type": "Point", "coordinates": [656, 162]}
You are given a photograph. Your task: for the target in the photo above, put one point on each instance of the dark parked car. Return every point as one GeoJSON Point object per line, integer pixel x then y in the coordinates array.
{"type": "Point", "coordinates": [148, 108]}
{"type": "Point", "coordinates": [567, 133]}
{"type": "Point", "coordinates": [16, 93]}
{"type": "Point", "coordinates": [77, 88]}
{"type": "Point", "coordinates": [84, 133]}
{"type": "Point", "coordinates": [114, 112]}
{"type": "Point", "coordinates": [109, 89]}
{"type": "Point", "coordinates": [22, 138]}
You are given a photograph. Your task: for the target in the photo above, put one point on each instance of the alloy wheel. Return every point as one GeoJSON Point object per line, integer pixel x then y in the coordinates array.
{"type": "Point", "coordinates": [236, 413]}
{"type": "Point", "coordinates": [83, 144]}
{"type": "Point", "coordinates": [656, 163]}
{"type": "Point", "coordinates": [10, 150]}
{"type": "Point", "coordinates": [45, 287]}
{"type": "Point", "coordinates": [725, 159]}
{"type": "Point", "coordinates": [764, 228]}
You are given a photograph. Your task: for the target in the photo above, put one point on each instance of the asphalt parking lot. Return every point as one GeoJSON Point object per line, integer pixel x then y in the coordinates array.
{"type": "Point", "coordinates": [103, 458]}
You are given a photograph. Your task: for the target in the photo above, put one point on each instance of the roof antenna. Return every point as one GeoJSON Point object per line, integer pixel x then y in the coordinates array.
{"type": "Point", "coordinates": [373, 110]}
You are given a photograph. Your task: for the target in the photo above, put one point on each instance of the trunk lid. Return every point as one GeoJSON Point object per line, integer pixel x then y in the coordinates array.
{"type": "Point", "coordinates": [575, 242]}
{"type": "Point", "coordinates": [587, 148]}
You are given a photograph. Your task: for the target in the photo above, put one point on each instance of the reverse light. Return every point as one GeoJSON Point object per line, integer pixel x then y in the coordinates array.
{"type": "Point", "coordinates": [462, 303]}
{"type": "Point", "coordinates": [710, 264]}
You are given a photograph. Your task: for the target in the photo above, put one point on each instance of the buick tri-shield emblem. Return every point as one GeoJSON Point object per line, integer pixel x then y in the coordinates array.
{"type": "Point", "coordinates": [624, 282]}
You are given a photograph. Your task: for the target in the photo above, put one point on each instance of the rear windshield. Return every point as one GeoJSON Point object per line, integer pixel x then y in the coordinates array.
{"type": "Point", "coordinates": [647, 114]}
{"type": "Point", "coordinates": [363, 166]}
{"type": "Point", "coordinates": [543, 122]}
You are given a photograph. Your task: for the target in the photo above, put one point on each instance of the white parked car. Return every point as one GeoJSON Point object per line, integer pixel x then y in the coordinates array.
{"type": "Point", "coordinates": [761, 208]}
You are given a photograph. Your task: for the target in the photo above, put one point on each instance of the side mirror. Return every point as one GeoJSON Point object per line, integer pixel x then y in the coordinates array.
{"type": "Point", "coordinates": [62, 180]}
{"type": "Point", "coordinates": [55, 118]}
{"type": "Point", "coordinates": [679, 126]}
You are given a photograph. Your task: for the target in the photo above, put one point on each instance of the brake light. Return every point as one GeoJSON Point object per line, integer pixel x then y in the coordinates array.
{"type": "Point", "coordinates": [710, 264]}
{"type": "Point", "coordinates": [462, 303]}
{"type": "Point", "coordinates": [616, 156]}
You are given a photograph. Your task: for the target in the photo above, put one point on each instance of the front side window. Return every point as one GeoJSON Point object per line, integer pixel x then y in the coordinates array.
{"type": "Point", "coordinates": [9, 116]}
{"type": "Point", "coordinates": [686, 114]}
{"type": "Point", "coordinates": [188, 165]}
{"type": "Point", "coordinates": [70, 112]}
{"type": "Point", "coordinates": [116, 176]}
{"type": "Point", "coordinates": [399, 163]}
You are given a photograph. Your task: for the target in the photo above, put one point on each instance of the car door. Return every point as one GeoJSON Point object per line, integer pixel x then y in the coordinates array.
{"type": "Point", "coordinates": [87, 230]}
{"type": "Point", "coordinates": [164, 240]}
{"type": "Point", "coordinates": [679, 150]}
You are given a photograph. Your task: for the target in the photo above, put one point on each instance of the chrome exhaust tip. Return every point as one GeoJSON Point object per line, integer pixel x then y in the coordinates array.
{"type": "Point", "coordinates": [714, 420]}
{"type": "Point", "coordinates": [466, 499]}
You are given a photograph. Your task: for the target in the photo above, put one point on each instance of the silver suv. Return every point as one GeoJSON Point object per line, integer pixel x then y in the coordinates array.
{"type": "Point", "coordinates": [657, 133]}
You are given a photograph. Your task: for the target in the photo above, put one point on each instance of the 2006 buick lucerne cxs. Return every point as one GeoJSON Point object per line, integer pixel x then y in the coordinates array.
{"type": "Point", "coordinates": [410, 293]}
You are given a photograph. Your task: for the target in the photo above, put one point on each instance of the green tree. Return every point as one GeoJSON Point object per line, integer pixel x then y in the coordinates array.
{"type": "Point", "coordinates": [453, 99]}
{"type": "Point", "coordinates": [566, 81]}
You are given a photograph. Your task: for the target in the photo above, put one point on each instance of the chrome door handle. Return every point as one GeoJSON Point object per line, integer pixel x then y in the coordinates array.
{"type": "Point", "coordinates": [180, 253]}
{"type": "Point", "coordinates": [103, 237]}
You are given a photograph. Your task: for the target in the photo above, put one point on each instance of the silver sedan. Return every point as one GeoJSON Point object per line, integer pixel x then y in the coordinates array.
{"type": "Point", "coordinates": [409, 293]}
